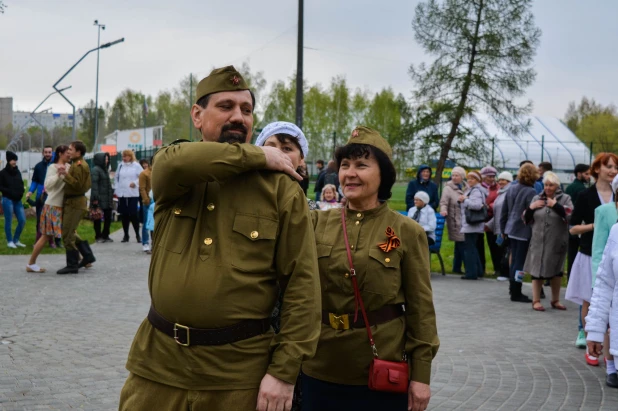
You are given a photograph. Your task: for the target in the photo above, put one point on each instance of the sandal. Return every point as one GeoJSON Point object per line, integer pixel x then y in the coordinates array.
{"type": "Point", "coordinates": [557, 306]}
{"type": "Point", "coordinates": [535, 308]}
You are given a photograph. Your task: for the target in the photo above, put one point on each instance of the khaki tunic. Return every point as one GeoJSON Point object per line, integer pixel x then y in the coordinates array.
{"type": "Point", "coordinates": [222, 240]}
{"type": "Point", "coordinates": [400, 276]}
{"type": "Point", "coordinates": [76, 185]}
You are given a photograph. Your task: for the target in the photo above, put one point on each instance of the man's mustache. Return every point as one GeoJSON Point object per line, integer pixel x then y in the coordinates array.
{"type": "Point", "coordinates": [234, 127]}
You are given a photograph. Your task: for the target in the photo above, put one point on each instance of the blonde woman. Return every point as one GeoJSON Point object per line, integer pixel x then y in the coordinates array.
{"type": "Point", "coordinates": [329, 198]}
{"type": "Point", "coordinates": [127, 191]}
{"type": "Point", "coordinates": [51, 217]}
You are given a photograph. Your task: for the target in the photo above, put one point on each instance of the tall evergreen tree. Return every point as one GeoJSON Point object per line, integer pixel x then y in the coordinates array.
{"type": "Point", "coordinates": [484, 50]}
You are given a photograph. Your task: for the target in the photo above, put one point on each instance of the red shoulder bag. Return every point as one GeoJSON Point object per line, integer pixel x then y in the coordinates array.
{"type": "Point", "coordinates": [389, 376]}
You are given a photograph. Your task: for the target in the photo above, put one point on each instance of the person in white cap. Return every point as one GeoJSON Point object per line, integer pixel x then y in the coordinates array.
{"type": "Point", "coordinates": [290, 139]}
{"type": "Point", "coordinates": [423, 214]}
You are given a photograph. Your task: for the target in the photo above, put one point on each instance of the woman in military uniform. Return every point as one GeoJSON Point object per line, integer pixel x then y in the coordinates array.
{"type": "Point", "coordinates": [391, 260]}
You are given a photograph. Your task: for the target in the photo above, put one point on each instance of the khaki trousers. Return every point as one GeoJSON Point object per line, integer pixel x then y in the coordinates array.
{"type": "Point", "coordinates": [70, 221]}
{"type": "Point", "coordinates": [141, 394]}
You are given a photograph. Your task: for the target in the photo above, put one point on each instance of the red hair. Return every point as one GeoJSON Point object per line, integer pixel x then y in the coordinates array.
{"type": "Point", "coordinates": [601, 159]}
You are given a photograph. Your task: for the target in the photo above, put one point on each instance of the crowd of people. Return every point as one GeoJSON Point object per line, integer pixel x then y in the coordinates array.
{"type": "Point", "coordinates": [60, 183]}
{"type": "Point", "coordinates": [265, 284]}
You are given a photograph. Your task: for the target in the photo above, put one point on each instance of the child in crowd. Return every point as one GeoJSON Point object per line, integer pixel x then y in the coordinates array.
{"type": "Point", "coordinates": [425, 215]}
{"type": "Point", "coordinates": [149, 223]}
{"type": "Point", "coordinates": [329, 198]}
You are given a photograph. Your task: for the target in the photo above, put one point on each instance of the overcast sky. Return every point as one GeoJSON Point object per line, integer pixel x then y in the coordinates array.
{"type": "Point", "coordinates": [370, 42]}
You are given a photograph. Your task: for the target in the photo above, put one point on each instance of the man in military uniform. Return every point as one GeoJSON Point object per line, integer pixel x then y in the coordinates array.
{"type": "Point", "coordinates": [77, 184]}
{"type": "Point", "coordinates": [225, 234]}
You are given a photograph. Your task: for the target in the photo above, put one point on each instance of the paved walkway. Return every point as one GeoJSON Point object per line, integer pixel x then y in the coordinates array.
{"type": "Point", "coordinates": [65, 339]}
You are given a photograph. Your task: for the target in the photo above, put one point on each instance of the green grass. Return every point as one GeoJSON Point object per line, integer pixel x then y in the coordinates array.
{"type": "Point", "coordinates": [28, 236]}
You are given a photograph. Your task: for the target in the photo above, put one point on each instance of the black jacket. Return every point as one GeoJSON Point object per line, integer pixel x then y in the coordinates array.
{"type": "Point", "coordinates": [583, 213]}
{"type": "Point", "coordinates": [101, 184]}
{"type": "Point", "coordinates": [11, 184]}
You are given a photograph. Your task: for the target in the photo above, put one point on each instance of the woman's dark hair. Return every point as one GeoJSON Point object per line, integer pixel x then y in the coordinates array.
{"type": "Point", "coordinates": [388, 175]}
{"type": "Point", "coordinates": [79, 146]}
{"type": "Point", "coordinates": [60, 150]}
{"type": "Point", "coordinates": [144, 161]}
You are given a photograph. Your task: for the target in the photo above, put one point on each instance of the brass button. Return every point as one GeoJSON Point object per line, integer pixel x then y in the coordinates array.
{"type": "Point", "coordinates": [359, 215]}
{"type": "Point", "coordinates": [388, 260]}
{"type": "Point", "coordinates": [347, 275]}
{"type": "Point", "coordinates": [208, 241]}
{"type": "Point", "coordinates": [254, 234]}
{"type": "Point", "coordinates": [352, 246]}
{"type": "Point", "coordinates": [177, 211]}
{"type": "Point", "coordinates": [357, 223]}
{"type": "Point", "coordinates": [210, 207]}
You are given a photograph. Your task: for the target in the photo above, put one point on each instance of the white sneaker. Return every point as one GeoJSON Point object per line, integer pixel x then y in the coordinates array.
{"type": "Point", "coordinates": [34, 268]}
{"type": "Point", "coordinates": [20, 244]}
{"type": "Point", "coordinates": [146, 248]}
{"type": "Point", "coordinates": [502, 278]}
{"type": "Point", "coordinates": [11, 245]}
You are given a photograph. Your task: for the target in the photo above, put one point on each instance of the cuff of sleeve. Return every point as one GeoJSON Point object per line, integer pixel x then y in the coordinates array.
{"type": "Point", "coordinates": [253, 157]}
{"type": "Point", "coordinates": [284, 368]}
{"type": "Point", "coordinates": [420, 371]}
{"type": "Point", "coordinates": [595, 336]}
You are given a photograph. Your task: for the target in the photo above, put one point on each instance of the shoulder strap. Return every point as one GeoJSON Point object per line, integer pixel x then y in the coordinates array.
{"type": "Point", "coordinates": [357, 296]}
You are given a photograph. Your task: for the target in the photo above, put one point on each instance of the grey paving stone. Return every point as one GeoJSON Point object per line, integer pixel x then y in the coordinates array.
{"type": "Point", "coordinates": [70, 337]}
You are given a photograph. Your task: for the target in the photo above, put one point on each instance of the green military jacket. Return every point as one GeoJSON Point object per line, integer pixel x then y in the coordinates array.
{"type": "Point", "coordinates": [400, 276]}
{"type": "Point", "coordinates": [225, 234]}
{"type": "Point", "coordinates": [77, 183]}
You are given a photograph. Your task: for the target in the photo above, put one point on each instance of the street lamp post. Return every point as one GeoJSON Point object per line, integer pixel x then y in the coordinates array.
{"type": "Point", "coordinates": [102, 46]}
{"type": "Point", "coordinates": [96, 101]}
{"type": "Point", "coordinates": [37, 107]}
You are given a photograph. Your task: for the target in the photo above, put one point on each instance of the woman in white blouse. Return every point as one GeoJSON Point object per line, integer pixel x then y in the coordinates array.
{"type": "Point", "coordinates": [51, 216]}
{"type": "Point", "coordinates": [127, 191]}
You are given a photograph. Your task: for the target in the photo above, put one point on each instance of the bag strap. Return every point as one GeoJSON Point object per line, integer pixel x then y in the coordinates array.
{"type": "Point", "coordinates": [357, 295]}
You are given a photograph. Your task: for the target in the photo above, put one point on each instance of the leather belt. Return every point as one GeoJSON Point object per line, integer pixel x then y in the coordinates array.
{"type": "Point", "coordinates": [186, 336]}
{"type": "Point", "coordinates": [380, 316]}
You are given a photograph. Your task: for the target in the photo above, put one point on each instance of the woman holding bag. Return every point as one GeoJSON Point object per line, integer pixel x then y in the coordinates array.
{"type": "Point", "coordinates": [472, 224]}
{"type": "Point", "coordinates": [368, 276]}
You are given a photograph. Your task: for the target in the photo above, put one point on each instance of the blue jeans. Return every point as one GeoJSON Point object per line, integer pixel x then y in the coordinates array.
{"type": "Point", "coordinates": [13, 207]}
{"type": "Point", "coordinates": [145, 237]}
{"type": "Point", "coordinates": [472, 261]}
{"type": "Point", "coordinates": [458, 257]}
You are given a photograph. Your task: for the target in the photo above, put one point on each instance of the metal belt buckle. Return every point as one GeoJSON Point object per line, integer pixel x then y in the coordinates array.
{"type": "Point", "coordinates": [339, 322]}
{"type": "Point", "coordinates": [176, 327]}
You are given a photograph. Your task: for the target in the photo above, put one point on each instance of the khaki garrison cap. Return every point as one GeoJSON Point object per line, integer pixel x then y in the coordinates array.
{"type": "Point", "coordinates": [221, 79]}
{"type": "Point", "coordinates": [369, 136]}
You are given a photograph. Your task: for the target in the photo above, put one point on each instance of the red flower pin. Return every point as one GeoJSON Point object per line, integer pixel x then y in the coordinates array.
{"type": "Point", "coordinates": [355, 133]}
{"type": "Point", "coordinates": [392, 241]}
{"type": "Point", "coordinates": [235, 80]}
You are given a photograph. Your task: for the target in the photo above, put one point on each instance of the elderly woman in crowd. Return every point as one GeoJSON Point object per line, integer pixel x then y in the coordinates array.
{"type": "Point", "coordinates": [451, 209]}
{"type": "Point", "coordinates": [604, 168]}
{"type": "Point", "coordinates": [329, 198]}
{"type": "Point", "coordinates": [548, 214]}
{"type": "Point", "coordinates": [504, 182]}
{"type": "Point", "coordinates": [517, 199]}
{"type": "Point", "coordinates": [389, 253]}
{"type": "Point", "coordinates": [127, 191]}
{"type": "Point", "coordinates": [472, 199]}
